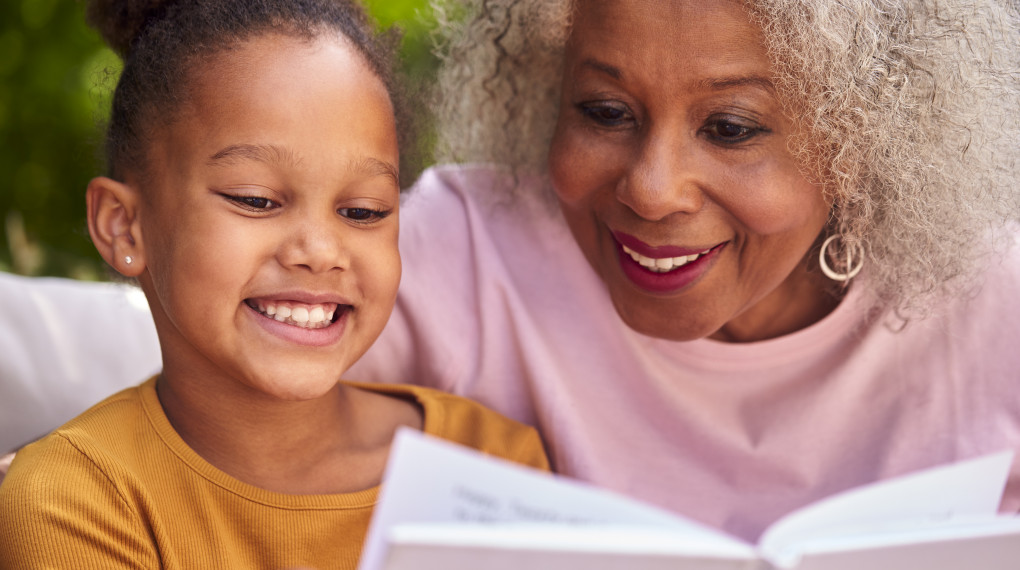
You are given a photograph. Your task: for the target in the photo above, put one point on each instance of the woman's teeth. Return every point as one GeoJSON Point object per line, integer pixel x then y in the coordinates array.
{"type": "Point", "coordinates": [297, 314]}
{"type": "Point", "coordinates": [662, 264]}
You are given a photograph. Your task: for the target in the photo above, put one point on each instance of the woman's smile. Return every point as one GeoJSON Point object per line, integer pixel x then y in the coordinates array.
{"type": "Point", "coordinates": [664, 268]}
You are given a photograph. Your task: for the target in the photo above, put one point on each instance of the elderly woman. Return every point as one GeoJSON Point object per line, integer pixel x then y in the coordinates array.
{"type": "Point", "coordinates": [729, 257]}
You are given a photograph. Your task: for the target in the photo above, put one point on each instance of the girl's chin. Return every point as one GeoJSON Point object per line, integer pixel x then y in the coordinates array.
{"type": "Point", "coordinates": [290, 391]}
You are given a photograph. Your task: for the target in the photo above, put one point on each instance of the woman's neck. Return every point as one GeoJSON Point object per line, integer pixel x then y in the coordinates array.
{"type": "Point", "coordinates": [803, 299]}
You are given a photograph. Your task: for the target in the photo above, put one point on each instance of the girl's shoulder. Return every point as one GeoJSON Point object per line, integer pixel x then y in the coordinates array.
{"type": "Point", "coordinates": [470, 423]}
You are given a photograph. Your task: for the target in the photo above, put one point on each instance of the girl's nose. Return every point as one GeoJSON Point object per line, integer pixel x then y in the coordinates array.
{"type": "Point", "coordinates": [315, 245]}
{"type": "Point", "coordinates": [664, 179]}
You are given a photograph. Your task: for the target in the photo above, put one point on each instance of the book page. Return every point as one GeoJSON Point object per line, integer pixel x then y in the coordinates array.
{"type": "Point", "coordinates": [968, 491]}
{"type": "Point", "coordinates": [993, 544]}
{"type": "Point", "coordinates": [510, 546]}
{"type": "Point", "coordinates": [429, 480]}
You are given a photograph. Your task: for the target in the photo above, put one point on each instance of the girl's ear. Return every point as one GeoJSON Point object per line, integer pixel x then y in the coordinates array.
{"type": "Point", "coordinates": [114, 224]}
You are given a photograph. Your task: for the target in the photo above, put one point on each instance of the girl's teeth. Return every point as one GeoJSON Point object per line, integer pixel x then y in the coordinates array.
{"type": "Point", "coordinates": [662, 264]}
{"type": "Point", "coordinates": [305, 316]}
{"type": "Point", "coordinates": [317, 315]}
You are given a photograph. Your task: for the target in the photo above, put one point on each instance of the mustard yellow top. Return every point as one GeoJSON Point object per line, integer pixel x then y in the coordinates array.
{"type": "Point", "coordinates": [116, 487]}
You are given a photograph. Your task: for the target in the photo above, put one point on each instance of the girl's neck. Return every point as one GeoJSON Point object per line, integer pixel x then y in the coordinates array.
{"type": "Point", "coordinates": [337, 443]}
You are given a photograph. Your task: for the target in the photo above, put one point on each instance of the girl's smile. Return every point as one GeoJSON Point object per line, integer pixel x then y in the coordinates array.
{"type": "Point", "coordinates": [307, 316]}
{"type": "Point", "coordinates": [309, 324]}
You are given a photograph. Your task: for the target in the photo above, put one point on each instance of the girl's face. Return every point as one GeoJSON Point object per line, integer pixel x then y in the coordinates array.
{"type": "Point", "coordinates": [270, 225]}
{"type": "Point", "coordinates": [672, 166]}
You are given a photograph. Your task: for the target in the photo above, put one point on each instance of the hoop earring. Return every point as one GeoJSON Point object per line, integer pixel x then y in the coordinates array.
{"type": "Point", "coordinates": [851, 269]}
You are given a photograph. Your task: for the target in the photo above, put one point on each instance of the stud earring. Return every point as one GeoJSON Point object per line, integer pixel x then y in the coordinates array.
{"type": "Point", "coordinates": [128, 259]}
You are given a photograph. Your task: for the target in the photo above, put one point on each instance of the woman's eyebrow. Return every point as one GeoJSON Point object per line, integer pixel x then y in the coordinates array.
{"type": "Point", "coordinates": [603, 67]}
{"type": "Point", "coordinates": [713, 84]}
{"type": "Point", "coordinates": [722, 83]}
{"type": "Point", "coordinates": [267, 153]}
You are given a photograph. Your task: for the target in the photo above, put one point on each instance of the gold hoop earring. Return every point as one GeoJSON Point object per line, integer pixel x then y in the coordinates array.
{"type": "Point", "coordinates": [851, 269]}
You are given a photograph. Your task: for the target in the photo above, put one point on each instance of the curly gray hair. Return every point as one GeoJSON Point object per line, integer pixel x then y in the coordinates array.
{"type": "Point", "coordinates": [913, 111]}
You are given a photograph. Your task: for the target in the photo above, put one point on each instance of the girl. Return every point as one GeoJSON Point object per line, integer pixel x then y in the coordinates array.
{"type": "Point", "coordinates": [253, 193]}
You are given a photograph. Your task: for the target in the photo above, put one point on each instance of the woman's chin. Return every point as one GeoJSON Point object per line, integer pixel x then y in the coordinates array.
{"type": "Point", "coordinates": [661, 323]}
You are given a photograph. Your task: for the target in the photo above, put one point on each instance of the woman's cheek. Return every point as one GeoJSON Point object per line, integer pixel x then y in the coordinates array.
{"type": "Point", "coordinates": [579, 166]}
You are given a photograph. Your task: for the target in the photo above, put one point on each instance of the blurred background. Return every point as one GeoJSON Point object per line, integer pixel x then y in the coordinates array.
{"type": "Point", "coordinates": [56, 78]}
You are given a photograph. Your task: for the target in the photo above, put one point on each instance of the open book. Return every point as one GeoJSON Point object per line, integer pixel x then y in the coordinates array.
{"type": "Point", "coordinates": [445, 507]}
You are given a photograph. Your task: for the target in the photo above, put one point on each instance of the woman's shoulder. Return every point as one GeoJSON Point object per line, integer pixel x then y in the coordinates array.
{"type": "Point", "coordinates": [481, 185]}
{"type": "Point", "coordinates": [998, 286]}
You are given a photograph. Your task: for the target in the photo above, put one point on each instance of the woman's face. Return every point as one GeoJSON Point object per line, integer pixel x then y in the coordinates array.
{"type": "Point", "coordinates": [672, 164]}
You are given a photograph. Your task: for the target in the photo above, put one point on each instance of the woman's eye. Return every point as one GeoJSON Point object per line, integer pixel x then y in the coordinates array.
{"type": "Point", "coordinates": [363, 214]}
{"type": "Point", "coordinates": [606, 114]}
{"type": "Point", "coordinates": [254, 203]}
{"type": "Point", "coordinates": [730, 132]}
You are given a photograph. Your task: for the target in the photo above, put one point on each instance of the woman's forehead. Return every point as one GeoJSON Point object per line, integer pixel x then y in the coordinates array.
{"type": "Point", "coordinates": [668, 37]}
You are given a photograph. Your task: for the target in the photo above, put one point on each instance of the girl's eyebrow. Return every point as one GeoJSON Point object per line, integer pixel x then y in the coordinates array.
{"type": "Point", "coordinates": [269, 153]}
{"type": "Point", "coordinates": [258, 152]}
{"type": "Point", "coordinates": [376, 167]}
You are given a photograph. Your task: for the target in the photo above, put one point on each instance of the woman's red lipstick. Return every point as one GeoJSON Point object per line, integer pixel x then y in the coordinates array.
{"type": "Point", "coordinates": [663, 269]}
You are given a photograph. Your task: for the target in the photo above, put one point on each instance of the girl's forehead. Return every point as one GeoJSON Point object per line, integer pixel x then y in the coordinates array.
{"type": "Point", "coordinates": [272, 61]}
{"type": "Point", "coordinates": [281, 91]}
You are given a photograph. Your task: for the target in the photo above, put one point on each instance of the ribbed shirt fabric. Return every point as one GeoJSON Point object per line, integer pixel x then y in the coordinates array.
{"type": "Point", "coordinates": [118, 488]}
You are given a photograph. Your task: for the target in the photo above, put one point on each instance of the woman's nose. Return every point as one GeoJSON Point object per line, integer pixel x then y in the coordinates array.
{"type": "Point", "coordinates": [663, 179]}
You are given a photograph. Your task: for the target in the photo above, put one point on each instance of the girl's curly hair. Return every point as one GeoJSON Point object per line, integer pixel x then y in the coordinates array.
{"type": "Point", "coordinates": [913, 113]}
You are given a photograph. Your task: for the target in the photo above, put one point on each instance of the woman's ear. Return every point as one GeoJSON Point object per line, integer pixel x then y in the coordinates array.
{"type": "Point", "coordinates": [112, 209]}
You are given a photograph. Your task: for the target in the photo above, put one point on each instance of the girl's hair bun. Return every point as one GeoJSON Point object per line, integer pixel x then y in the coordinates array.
{"type": "Point", "coordinates": [120, 22]}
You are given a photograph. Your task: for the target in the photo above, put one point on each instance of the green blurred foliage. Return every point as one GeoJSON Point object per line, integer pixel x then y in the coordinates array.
{"type": "Point", "coordinates": [56, 77]}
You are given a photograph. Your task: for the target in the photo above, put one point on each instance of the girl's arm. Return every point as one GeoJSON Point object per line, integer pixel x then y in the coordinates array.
{"type": "Point", "coordinates": [58, 509]}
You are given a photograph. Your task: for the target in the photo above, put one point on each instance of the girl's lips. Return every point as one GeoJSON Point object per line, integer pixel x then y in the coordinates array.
{"type": "Point", "coordinates": [664, 269]}
{"type": "Point", "coordinates": [302, 325]}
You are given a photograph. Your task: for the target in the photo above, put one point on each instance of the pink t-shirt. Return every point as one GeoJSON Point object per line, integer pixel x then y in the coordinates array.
{"type": "Point", "coordinates": [498, 304]}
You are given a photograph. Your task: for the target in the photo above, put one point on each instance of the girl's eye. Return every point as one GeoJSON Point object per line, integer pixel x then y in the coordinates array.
{"type": "Point", "coordinates": [363, 214]}
{"type": "Point", "coordinates": [253, 203]}
{"type": "Point", "coordinates": [606, 114]}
